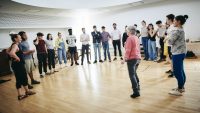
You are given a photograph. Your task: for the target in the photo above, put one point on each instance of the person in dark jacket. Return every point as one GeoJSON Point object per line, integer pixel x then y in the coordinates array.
{"type": "Point", "coordinates": [96, 43]}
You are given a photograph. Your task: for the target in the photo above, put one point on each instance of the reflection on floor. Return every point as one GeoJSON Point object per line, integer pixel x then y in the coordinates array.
{"type": "Point", "coordinates": [105, 88]}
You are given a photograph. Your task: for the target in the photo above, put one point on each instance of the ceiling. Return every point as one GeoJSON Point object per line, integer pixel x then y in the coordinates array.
{"type": "Point", "coordinates": [14, 14]}
{"type": "Point", "coordinates": [74, 4]}
{"type": "Point", "coordinates": [13, 7]}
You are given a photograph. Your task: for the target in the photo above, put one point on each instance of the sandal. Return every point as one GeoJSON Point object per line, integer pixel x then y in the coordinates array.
{"type": "Point", "coordinates": [30, 93]}
{"type": "Point", "coordinates": [20, 97]}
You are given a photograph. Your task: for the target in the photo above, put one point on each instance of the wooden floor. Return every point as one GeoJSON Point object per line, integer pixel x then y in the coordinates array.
{"type": "Point", "coordinates": [105, 88]}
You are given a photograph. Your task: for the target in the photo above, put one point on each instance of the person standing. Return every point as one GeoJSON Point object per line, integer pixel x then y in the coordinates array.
{"type": "Point", "coordinates": [51, 53]}
{"type": "Point", "coordinates": [105, 42]}
{"type": "Point", "coordinates": [161, 36]}
{"type": "Point", "coordinates": [170, 20]}
{"type": "Point", "coordinates": [145, 39]}
{"type": "Point", "coordinates": [116, 40]}
{"type": "Point", "coordinates": [18, 67]}
{"type": "Point", "coordinates": [133, 57]}
{"type": "Point", "coordinates": [71, 41]}
{"type": "Point", "coordinates": [97, 43]}
{"type": "Point", "coordinates": [28, 59]}
{"type": "Point", "coordinates": [137, 33]}
{"type": "Point", "coordinates": [152, 43]}
{"type": "Point", "coordinates": [41, 54]}
{"type": "Point", "coordinates": [124, 37]}
{"type": "Point", "coordinates": [61, 48]}
{"type": "Point", "coordinates": [177, 40]}
{"type": "Point", "coordinates": [84, 38]}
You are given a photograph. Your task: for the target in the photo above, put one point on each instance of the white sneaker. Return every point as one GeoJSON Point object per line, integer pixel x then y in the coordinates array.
{"type": "Point", "coordinates": [182, 90]}
{"type": "Point", "coordinates": [176, 92]}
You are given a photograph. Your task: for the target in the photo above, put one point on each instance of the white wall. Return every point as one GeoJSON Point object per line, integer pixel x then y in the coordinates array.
{"type": "Point", "coordinates": [128, 16]}
{"type": "Point", "coordinates": [153, 12]}
{"type": "Point", "coordinates": [5, 39]}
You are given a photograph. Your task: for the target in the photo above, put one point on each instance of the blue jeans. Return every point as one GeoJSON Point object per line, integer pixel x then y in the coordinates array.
{"type": "Point", "coordinates": [106, 50]}
{"type": "Point", "coordinates": [62, 54]}
{"type": "Point", "coordinates": [152, 50]}
{"type": "Point", "coordinates": [178, 69]}
{"type": "Point", "coordinates": [145, 47]}
{"type": "Point", "coordinates": [132, 70]}
{"type": "Point", "coordinates": [97, 46]}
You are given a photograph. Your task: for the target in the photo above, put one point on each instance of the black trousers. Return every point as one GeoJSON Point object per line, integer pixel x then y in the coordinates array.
{"type": "Point", "coordinates": [51, 58]}
{"type": "Point", "coordinates": [72, 51]}
{"type": "Point", "coordinates": [162, 56]}
{"type": "Point", "coordinates": [85, 48]}
{"type": "Point", "coordinates": [20, 74]}
{"type": "Point", "coordinates": [169, 52]}
{"type": "Point", "coordinates": [117, 44]}
{"type": "Point", "coordinates": [42, 62]}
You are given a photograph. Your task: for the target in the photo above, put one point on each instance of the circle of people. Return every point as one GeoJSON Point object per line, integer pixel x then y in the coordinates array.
{"type": "Point", "coordinates": [168, 41]}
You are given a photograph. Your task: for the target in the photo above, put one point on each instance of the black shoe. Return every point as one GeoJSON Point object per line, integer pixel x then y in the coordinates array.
{"type": "Point", "coordinates": [81, 63]}
{"type": "Point", "coordinates": [169, 71]}
{"type": "Point", "coordinates": [114, 59]}
{"type": "Point", "coordinates": [104, 60]}
{"type": "Point", "coordinates": [109, 60]}
{"type": "Point", "coordinates": [171, 76]}
{"type": "Point", "coordinates": [121, 58]}
{"type": "Point", "coordinates": [101, 61]}
{"type": "Point", "coordinates": [77, 63]}
{"type": "Point", "coordinates": [72, 64]}
{"type": "Point", "coordinates": [95, 62]}
{"type": "Point", "coordinates": [89, 62]}
{"type": "Point", "coordinates": [47, 73]}
{"type": "Point", "coordinates": [146, 59]}
{"type": "Point", "coordinates": [159, 61]}
{"type": "Point", "coordinates": [55, 71]}
{"type": "Point", "coordinates": [30, 87]}
{"type": "Point", "coordinates": [134, 95]}
{"type": "Point", "coordinates": [35, 82]}
{"type": "Point", "coordinates": [41, 76]}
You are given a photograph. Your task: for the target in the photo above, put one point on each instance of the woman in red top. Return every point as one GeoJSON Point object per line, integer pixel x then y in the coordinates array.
{"type": "Point", "coordinates": [132, 57]}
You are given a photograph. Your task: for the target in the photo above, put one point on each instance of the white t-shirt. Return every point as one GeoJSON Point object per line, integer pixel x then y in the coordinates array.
{"type": "Point", "coordinates": [169, 30]}
{"type": "Point", "coordinates": [84, 38]}
{"type": "Point", "coordinates": [71, 40]}
{"type": "Point", "coordinates": [116, 34]}
{"type": "Point", "coordinates": [49, 44]}
{"type": "Point", "coordinates": [144, 32]}
{"type": "Point", "coordinates": [161, 32]}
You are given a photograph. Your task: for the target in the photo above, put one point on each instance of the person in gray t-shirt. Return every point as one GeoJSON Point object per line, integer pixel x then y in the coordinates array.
{"type": "Point", "coordinates": [29, 65]}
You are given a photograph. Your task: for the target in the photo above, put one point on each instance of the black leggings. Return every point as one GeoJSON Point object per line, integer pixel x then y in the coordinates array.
{"type": "Point", "coordinates": [51, 58]}
{"type": "Point", "coordinates": [162, 56]}
{"type": "Point", "coordinates": [169, 52]}
{"type": "Point", "coordinates": [20, 74]}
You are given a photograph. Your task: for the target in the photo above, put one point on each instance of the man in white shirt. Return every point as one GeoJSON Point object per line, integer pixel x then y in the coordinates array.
{"type": "Point", "coordinates": [116, 40]}
{"type": "Point", "coordinates": [71, 41]}
{"type": "Point", "coordinates": [84, 38]}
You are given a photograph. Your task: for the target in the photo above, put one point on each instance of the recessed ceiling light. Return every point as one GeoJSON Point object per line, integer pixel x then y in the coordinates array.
{"type": "Point", "coordinates": [137, 3]}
